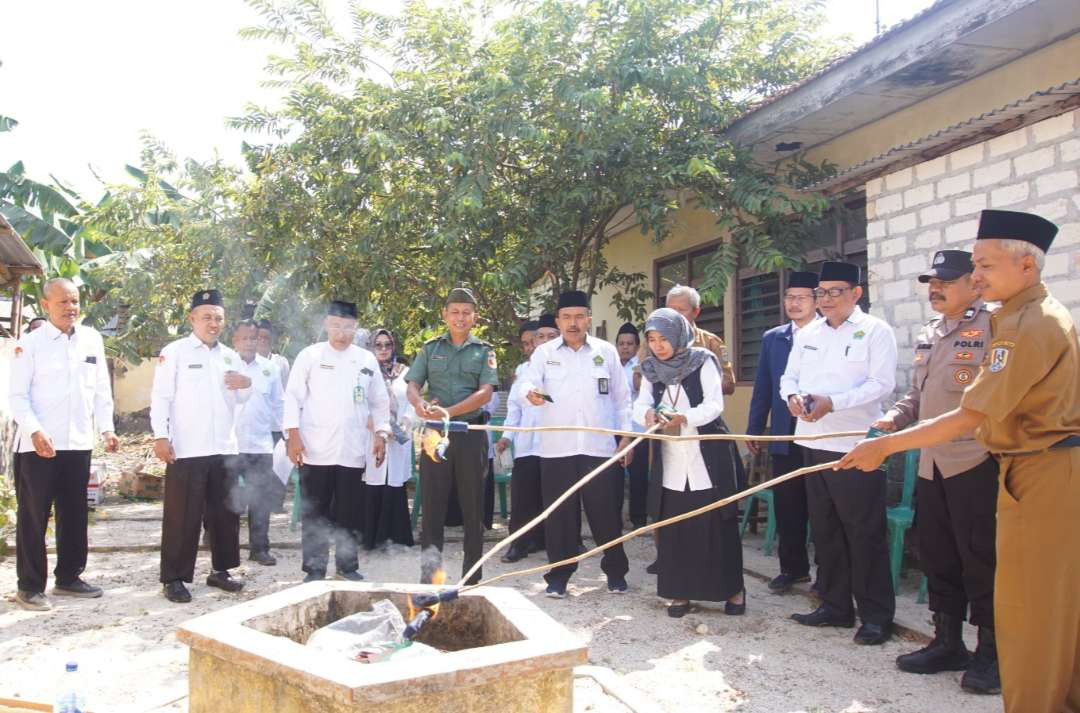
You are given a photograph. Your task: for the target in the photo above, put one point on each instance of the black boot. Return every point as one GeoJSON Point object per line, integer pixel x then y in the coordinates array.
{"type": "Point", "coordinates": [982, 675]}
{"type": "Point", "coordinates": [946, 652]}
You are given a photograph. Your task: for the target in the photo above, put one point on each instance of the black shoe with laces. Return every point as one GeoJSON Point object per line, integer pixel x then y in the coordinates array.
{"type": "Point", "coordinates": [983, 675]}
{"type": "Point", "coordinates": [175, 591]}
{"type": "Point", "coordinates": [945, 652]}
{"type": "Point", "coordinates": [824, 616]}
{"type": "Point", "coordinates": [77, 588]}
{"type": "Point", "coordinates": [316, 575]}
{"type": "Point", "coordinates": [223, 580]}
{"type": "Point", "coordinates": [783, 582]}
{"type": "Point", "coordinates": [514, 554]}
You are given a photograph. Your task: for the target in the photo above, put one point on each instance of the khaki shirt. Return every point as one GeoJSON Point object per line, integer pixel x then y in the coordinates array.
{"type": "Point", "coordinates": [947, 357]}
{"type": "Point", "coordinates": [715, 344]}
{"type": "Point", "coordinates": [454, 373]}
{"type": "Point", "coordinates": [1029, 384]}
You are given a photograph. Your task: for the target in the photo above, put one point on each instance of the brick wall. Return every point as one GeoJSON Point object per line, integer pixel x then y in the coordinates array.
{"type": "Point", "coordinates": [935, 205]}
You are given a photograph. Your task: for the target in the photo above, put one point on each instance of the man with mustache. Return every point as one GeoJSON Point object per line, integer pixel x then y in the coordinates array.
{"type": "Point", "coordinates": [957, 489]}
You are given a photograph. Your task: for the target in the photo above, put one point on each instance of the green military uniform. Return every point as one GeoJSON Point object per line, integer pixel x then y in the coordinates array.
{"type": "Point", "coordinates": [452, 374]}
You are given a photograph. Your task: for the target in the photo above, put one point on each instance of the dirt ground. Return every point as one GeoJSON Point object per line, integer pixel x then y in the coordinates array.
{"type": "Point", "coordinates": [759, 663]}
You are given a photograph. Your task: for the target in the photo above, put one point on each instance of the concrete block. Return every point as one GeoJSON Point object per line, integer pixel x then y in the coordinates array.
{"type": "Point", "coordinates": [961, 232]}
{"type": "Point", "coordinates": [1009, 195]}
{"type": "Point", "coordinates": [1034, 161]}
{"type": "Point", "coordinates": [899, 179]}
{"type": "Point", "coordinates": [930, 169]}
{"type": "Point", "coordinates": [897, 290]}
{"type": "Point", "coordinates": [1054, 182]}
{"type": "Point", "coordinates": [1057, 263]}
{"type": "Point", "coordinates": [967, 157]}
{"type": "Point", "coordinates": [1066, 291]}
{"type": "Point", "coordinates": [871, 250]}
{"type": "Point", "coordinates": [1007, 143]}
{"type": "Point", "coordinates": [928, 240]}
{"type": "Point", "coordinates": [1068, 236]}
{"type": "Point", "coordinates": [901, 224]}
{"type": "Point", "coordinates": [918, 195]}
{"type": "Point", "coordinates": [883, 270]}
{"type": "Point", "coordinates": [1053, 127]}
{"type": "Point", "coordinates": [1070, 151]}
{"type": "Point", "coordinates": [873, 187]}
{"type": "Point", "coordinates": [1052, 210]}
{"type": "Point", "coordinates": [893, 247]}
{"type": "Point", "coordinates": [935, 213]}
{"type": "Point", "coordinates": [875, 229]}
{"type": "Point", "coordinates": [887, 204]}
{"type": "Point", "coordinates": [907, 312]}
{"type": "Point", "coordinates": [951, 186]}
{"type": "Point", "coordinates": [989, 175]}
{"type": "Point", "coordinates": [910, 266]}
{"type": "Point", "coordinates": [969, 204]}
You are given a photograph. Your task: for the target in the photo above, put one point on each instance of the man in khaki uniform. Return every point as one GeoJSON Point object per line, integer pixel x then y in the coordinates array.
{"type": "Point", "coordinates": [686, 301]}
{"type": "Point", "coordinates": [1025, 407]}
{"type": "Point", "coordinates": [957, 490]}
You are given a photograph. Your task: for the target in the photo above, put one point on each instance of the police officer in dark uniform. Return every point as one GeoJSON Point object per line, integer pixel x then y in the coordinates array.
{"type": "Point", "coordinates": [957, 491]}
{"type": "Point", "coordinates": [460, 373]}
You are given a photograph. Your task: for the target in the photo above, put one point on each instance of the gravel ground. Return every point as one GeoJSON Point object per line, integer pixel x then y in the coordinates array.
{"type": "Point", "coordinates": [759, 663]}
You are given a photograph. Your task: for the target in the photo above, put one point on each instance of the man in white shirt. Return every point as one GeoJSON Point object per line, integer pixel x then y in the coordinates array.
{"type": "Point", "coordinates": [628, 343]}
{"type": "Point", "coordinates": [584, 385]}
{"type": "Point", "coordinates": [265, 346]}
{"type": "Point", "coordinates": [193, 404]}
{"type": "Point", "coordinates": [60, 391]}
{"type": "Point", "coordinates": [256, 420]}
{"type": "Point", "coordinates": [334, 388]}
{"type": "Point", "coordinates": [525, 479]}
{"type": "Point", "coordinates": [839, 370]}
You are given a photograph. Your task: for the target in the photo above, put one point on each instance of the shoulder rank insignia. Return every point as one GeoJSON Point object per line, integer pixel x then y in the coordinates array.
{"type": "Point", "coordinates": [598, 360]}
{"type": "Point", "coordinates": [969, 312]}
{"type": "Point", "coordinates": [999, 357]}
{"type": "Point", "coordinates": [971, 333]}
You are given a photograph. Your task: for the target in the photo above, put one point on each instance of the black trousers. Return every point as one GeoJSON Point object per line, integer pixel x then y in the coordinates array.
{"type": "Point", "coordinates": [847, 518]}
{"type": "Point", "coordinates": [789, 499]}
{"type": "Point", "coordinates": [40, 482]}
{"type": "Point", "coordinates": [956, 525]}
{"type": "Point", "coordinates": [465, 467]}
{"type": "Point", "coordinates": [331, 506]}
{"type": "Point", "coordinates": [526, 500]}
{"type": "Point", "coordinates": [261, 495]}
{"type": "Point", "coordinates": [638, 480]}
{"type": "Point", "coordinates": [195, 487]}
{"type": "Point", "coordinates": [600, 498]}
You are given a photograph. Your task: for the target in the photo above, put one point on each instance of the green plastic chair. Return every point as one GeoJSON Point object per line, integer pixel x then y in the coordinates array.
{"type": "Point", "coordinates": [766, 497]}
{"type": "Point", "coordinates": [898, 519]}
{"type": "Point", "coordinates": [923, 590]}
{"type": "Point", "coordinates": [501, 481]}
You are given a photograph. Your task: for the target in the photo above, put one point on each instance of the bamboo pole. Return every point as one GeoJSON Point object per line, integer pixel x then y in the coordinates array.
{"type": "Point", "coordinates": [653, 436]}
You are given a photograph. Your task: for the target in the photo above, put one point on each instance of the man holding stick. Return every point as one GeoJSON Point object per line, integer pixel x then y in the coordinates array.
{"type": "Point", "coordinates": [1024, 406]}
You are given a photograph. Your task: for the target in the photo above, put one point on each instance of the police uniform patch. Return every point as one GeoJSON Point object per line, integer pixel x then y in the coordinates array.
{"type": "Point", "coordinates": [919, 357]}
{"type": "Point", "coordinates": [963, 356]}
{"type": "Point", "coordinates": [971, 333]}
{"type": "Point", "coordinates": [999, 358]}
{"type": "Point", "coordinates": [598, 360]}
{"type": "Point", "coordinates": [939, 259]}
{"type": "Point", "coordinates": [491, 359]}
{"type": "Point", "coordinates": [963, 376]}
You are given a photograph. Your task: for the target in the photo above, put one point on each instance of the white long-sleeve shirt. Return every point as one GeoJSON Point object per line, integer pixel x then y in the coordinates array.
{"type": "Point", "coordinates": [396, 468]}
{"type": "Point", "coordinates": [628, 368]}
{"type": "Point", "coordinates": [189, 402]}
{"type": "Point", "coordinates": [519, 412]}
{"type": "Point", "coordinates": [587, 387]}
{"type": "Point", "coordinates": [260, 415]}
{"type": "Point", "coordinates": [60, 385]}
{"type": "Point", "coordinates": [853, 364]}
{"type": "Point", "coordinates": [331, 395]}
{"type": "Point", "coordinates": [683, 462]}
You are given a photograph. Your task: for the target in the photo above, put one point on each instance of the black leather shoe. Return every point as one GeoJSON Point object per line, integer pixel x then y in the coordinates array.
{"type": "Point", "coordinates": [264, 558]}
{"type": "Point", "coordinates": [678, 611]}
{"type": "Point", "coordinates": [783, 582]}
{"type": "Point", "coordinates": [78, 588]}
{"type": "Point", "coordinates": [824, 616]}
{"type": "Point", "coordinates": [175, 591]}
{"type": "Point", "coordinates": [317, 575]}
{"type": "Point", "coordinates": [222, 580]}
{"type": "Point", "coordinates": [873, 634]}
{"type": "Point", "coordinates": [946, 652]}
{"type": "Point", "coordinates": [514, 554]}
{"type": "Point", "coordinates": [351, 576]}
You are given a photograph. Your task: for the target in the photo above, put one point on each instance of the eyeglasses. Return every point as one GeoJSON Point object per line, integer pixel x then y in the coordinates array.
{"type": "Point", "coordinates": [384, 345]}
{"type": "Point", "coordinates": [798, 299]}
{"type": "Point", "coordinates": [833, 292]}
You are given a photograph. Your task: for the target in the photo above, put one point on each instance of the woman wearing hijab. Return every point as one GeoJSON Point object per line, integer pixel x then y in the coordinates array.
{"type": "Point", "coordinates": [700, 558]}
{"type": "Point", "coordinates": [386, 503]}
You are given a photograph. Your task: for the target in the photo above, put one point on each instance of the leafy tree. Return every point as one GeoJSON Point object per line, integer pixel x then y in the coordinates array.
{"type": "Point", "coordinates": [442, 147]}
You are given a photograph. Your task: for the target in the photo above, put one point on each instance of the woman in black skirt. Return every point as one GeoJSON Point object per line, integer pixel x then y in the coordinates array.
{"type": "Point", "coordinates": [700, 558]}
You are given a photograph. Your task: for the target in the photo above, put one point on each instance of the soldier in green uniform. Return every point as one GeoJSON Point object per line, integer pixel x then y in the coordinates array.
{"type": "Point", "coordinates": [459, 371]}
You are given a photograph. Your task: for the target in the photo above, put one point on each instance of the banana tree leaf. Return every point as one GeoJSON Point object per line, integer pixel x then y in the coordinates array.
{"type": "Point", "coordinates": [35, 231]}
{"type": "Point", "coordinates": [142, 176]}
{"type": "Point", "coordinates": [7, 124]}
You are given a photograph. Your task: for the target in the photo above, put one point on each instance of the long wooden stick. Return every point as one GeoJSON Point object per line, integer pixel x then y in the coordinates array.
{"type": "Point", "coordinates": [657, 525]}
{"type": "Point", "coordinates": [558, 501]}
{"type": "Point", "coordinates": [657, 436]}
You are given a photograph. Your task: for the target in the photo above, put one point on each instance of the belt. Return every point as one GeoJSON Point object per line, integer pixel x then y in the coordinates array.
{"type": "Point", "coordinates": [1067, 442]}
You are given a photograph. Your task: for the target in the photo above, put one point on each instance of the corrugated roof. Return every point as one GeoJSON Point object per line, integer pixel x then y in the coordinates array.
{"type": "Point", "coordinates": [1036, 107]}
{"type": "Point", "coordinates": [15, 257]}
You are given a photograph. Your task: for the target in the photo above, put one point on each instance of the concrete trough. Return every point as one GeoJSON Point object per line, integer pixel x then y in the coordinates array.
{"type": "Point", "coordinates": [502, 655]}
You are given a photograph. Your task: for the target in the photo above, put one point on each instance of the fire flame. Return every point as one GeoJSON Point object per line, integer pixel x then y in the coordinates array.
{"type": "Point", "coordinates": [439, 577]}
{"type": "Point", "coordinates": [430, 442]}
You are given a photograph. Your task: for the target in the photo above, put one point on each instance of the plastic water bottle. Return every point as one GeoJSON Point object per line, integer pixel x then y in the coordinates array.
{"type": "Point", "coordinates": [69, 692]}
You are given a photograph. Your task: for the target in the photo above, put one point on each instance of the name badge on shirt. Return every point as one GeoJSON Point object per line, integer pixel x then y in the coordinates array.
{"type": "Point", "coordinates": [91, 360]}
{"type": "Point", "coordinates": [602, 385]}
{"type": "Point", "coordinates": [194, 366]}
{"type": "Point", "coordinates": [326, 366]}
